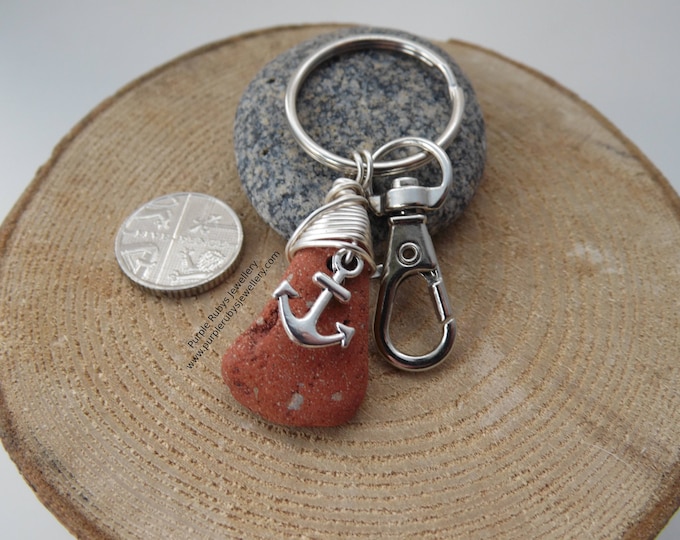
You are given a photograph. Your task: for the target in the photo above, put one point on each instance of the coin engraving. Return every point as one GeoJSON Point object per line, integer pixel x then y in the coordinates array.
{"type": "Point", "coordinates": [179, 244]}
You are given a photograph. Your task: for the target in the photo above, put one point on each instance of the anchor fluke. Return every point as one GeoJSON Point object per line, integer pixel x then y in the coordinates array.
{"type": "Point", "coordinates": [346, 331]}
{"type": "Point", "coordinates": [285, 289]}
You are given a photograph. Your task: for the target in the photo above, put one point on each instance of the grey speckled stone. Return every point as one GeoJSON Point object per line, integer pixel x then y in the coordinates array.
{"type": "Point", "coordinates": [352, 102]}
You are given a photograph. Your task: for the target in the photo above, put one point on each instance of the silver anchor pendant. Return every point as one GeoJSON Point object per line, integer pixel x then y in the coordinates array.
{"type": "Point", "coordinates": [303, 330]}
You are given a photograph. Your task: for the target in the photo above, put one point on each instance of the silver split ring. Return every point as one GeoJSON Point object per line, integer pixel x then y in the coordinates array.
{"type": "Point", "coordinates": [373, 41]}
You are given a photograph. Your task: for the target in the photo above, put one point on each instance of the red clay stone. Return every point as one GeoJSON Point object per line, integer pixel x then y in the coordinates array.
{"type": "Point", "coordinates": [293, 385]}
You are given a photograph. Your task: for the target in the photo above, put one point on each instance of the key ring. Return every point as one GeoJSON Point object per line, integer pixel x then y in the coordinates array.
{"type": "Point", "coordinates": [406, 202]}
{"type": "Point", "coordinates": [362, 42]}
{"type": "Point", "coordinates": [304, 360]}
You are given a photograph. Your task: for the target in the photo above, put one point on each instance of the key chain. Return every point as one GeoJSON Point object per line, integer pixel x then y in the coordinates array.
{"type": "Point", "coordinates": [304, 361]}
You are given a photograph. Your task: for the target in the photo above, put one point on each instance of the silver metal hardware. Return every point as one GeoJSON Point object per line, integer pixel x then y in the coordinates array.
{"type": "Point", "coordinates": [406, 193]}
{"type": "Point", "coordinates": [411, 252]}
{"type": "Point", "coordinates": [373, 41]}
{"type": "Point", "coordinates": [303, 330]}
{"type": "Point", "coordinates": [341, 223]}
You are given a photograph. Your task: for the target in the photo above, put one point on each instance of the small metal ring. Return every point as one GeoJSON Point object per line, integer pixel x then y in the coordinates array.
{"type": "Point", "coordinates": [373, 41]}
{"type": "Point", "coordinates": [409, 254]}
{"type": "Point", "coordinates": [402, 197]}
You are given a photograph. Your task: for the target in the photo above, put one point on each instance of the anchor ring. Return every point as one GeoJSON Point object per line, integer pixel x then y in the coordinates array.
{"type": "Point", "coordinates": [373, 41]}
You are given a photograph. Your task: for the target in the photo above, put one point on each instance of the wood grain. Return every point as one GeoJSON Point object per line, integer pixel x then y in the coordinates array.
{"type": "Point", "coordinates": [557, 416]}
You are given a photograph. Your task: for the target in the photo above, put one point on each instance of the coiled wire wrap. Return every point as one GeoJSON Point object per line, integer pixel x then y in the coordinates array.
{"type": "Point", "coordinates": [342, 222]}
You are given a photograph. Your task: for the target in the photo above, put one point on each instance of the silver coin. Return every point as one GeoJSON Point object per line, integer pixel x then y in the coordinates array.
{"type": "Point", "coordinates": [180, 244]}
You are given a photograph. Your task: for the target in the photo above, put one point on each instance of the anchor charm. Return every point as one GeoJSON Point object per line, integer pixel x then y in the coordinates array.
{"type": "Point", "coordinates": [303, 330]}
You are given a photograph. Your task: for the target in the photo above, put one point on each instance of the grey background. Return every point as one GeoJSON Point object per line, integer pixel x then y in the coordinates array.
{"type": "Point", "coordinates": [58, 60]}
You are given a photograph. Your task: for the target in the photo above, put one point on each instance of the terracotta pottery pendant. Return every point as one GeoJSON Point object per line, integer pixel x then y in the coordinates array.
{"type": "Point", "coordinates": [296, 385]}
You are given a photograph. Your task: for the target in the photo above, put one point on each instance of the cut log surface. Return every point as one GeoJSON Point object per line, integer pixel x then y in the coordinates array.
{"type": "Point", "coordinates": [557, 415]}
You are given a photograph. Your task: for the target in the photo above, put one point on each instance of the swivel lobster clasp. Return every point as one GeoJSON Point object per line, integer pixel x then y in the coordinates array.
{"type": "Point", "coordinates": [411, 252]}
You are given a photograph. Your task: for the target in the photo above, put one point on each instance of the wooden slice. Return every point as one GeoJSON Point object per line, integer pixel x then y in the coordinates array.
{"type": "Point", "coordinates": [557, 415]}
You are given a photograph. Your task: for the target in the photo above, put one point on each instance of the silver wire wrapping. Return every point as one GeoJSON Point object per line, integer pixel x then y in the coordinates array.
{"type": "Point", "coordinates": [342, 222]}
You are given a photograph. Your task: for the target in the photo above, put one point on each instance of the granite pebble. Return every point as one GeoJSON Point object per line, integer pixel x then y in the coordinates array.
{"type": "Point", "coordinates": [355, 101]}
